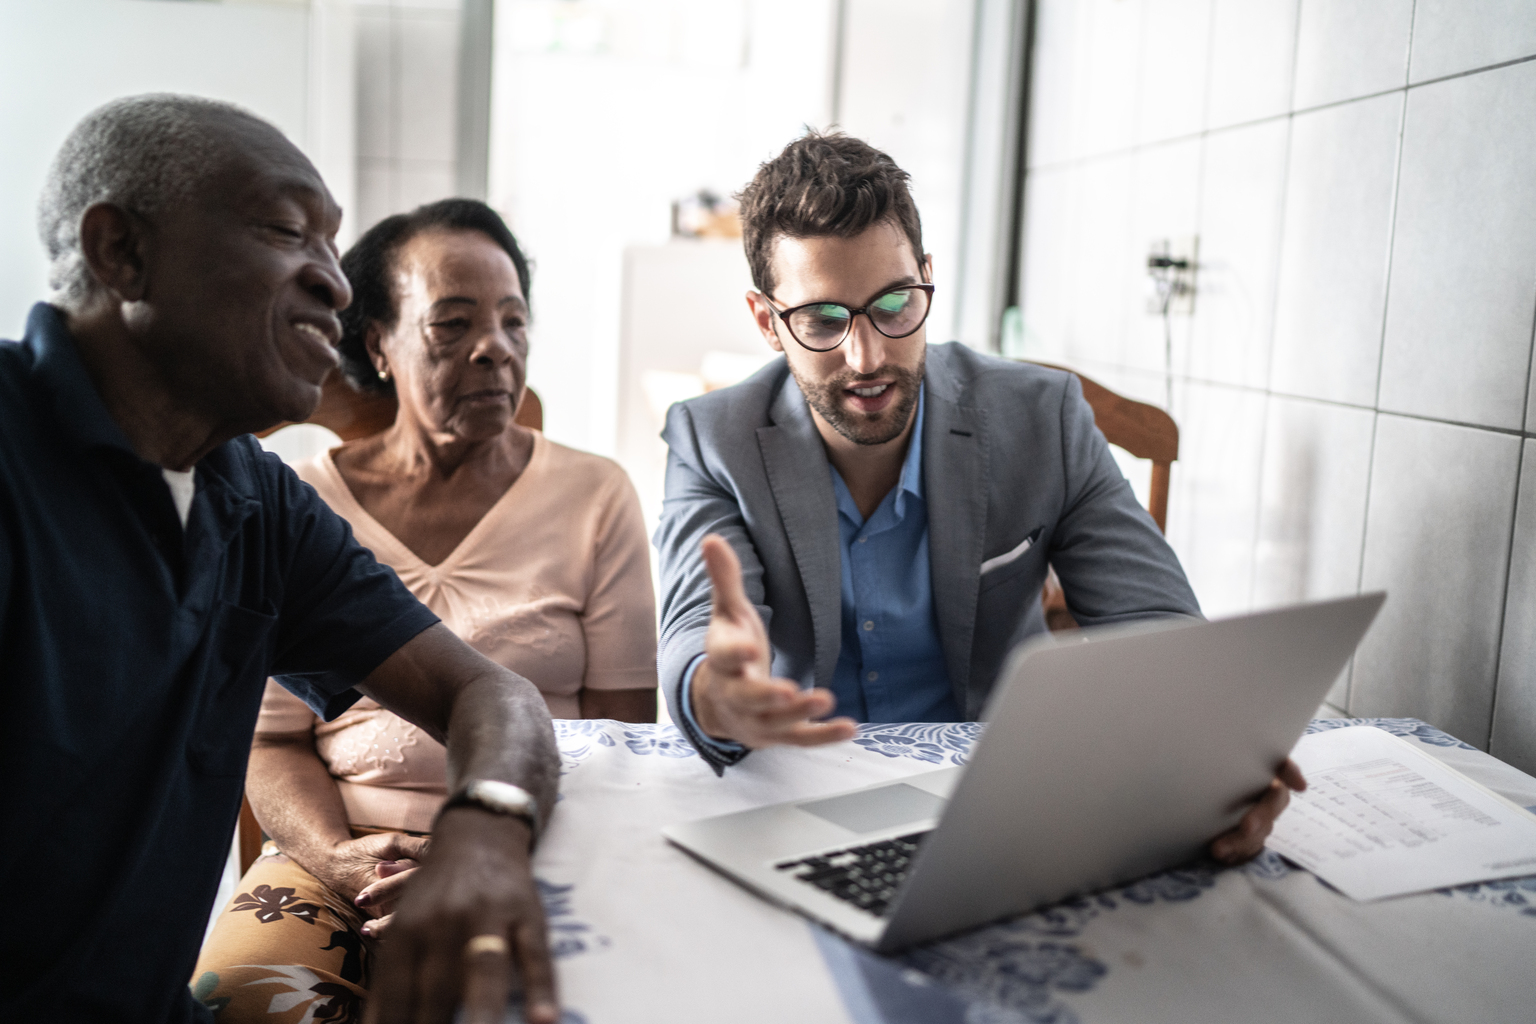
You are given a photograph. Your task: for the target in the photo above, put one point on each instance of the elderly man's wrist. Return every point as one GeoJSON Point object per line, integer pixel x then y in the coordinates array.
{"type": "Point", "coordinates": [472, 823]}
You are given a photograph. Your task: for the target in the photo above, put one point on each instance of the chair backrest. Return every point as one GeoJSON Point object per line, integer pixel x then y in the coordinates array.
{"type": "Point", "coordinates": [1145, 431]}
{"type": "Point", "coordinates": [351, 414]}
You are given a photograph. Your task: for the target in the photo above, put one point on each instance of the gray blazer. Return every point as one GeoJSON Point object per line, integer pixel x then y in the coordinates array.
{"type": "Point", "coordinates": [1016, 476]}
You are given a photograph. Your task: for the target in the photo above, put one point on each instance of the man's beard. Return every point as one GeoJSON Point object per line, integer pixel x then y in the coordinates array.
{"type": "Point", "coordinates": [865, 428]}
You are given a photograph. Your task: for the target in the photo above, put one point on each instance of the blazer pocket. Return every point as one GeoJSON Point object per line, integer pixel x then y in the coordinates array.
{"type": "Point", "coordinates": [1012, 555]}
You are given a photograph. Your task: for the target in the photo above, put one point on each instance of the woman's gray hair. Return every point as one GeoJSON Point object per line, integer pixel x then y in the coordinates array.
{"type": "Point", "coordinates": [142, 153]}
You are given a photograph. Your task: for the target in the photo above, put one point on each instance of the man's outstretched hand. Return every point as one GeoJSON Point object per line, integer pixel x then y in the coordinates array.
{"type": "Point", "coordinates": [734, 696]}
{"type": "Point", "coordinates": [1245, 841]}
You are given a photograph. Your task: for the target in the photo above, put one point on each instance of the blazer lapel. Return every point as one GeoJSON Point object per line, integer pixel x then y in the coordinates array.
{"type": "Point", "coordinates": [955, 485]}
{"type": "Point", "coordinates": [796, 464]}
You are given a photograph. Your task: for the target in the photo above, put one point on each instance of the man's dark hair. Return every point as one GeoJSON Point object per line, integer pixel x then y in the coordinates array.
{"type": "Point", "coordinates": [830, 184]}
{"type": "Point", "coordinates": [369, 266]}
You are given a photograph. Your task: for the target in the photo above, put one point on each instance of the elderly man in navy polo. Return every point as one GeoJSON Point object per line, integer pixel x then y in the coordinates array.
{"type": "Point", "coordinates": [156, 567]}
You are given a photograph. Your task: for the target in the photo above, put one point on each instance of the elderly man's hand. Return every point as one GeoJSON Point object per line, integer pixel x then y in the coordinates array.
{"type": "Point", "coordinates": [476, 883]}
{"type": "Point", "coordinates": [734, 695]}
{"type": "Point", "coordinates": [1244, 842]}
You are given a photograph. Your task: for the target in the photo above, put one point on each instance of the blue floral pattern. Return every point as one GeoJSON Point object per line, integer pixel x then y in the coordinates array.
{"type": "Point", "coordinates": [1519, 893]}
{"type": "Point", "coordinates": [1410, 728]}
{"type": "Point", "coordinates": [659, 739]}
{"type": "Point", "coordinates": [937, 743]}
{"type": "Point", "coordinates": [1022, 978]}
{"type": "Point", "coordinates": [1022, 967]}
{"type": "Point", "coordinates": [568, 936]}
{"type": "Point", "coordinates": [579, 738]}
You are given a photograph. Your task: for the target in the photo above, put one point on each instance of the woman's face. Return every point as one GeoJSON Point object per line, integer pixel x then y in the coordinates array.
{"type": "Point", "coordinates": [458, 352]}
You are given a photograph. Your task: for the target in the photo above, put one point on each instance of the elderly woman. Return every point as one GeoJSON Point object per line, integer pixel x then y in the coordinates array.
{"type": "Point", "coordinates": [532, 552]}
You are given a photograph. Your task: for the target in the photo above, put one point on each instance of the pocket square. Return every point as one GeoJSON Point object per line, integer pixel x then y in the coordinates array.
{"type": "Point", "coordinates": [998, 561]}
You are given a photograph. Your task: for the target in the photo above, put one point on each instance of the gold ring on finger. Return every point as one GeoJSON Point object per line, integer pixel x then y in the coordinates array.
{"type": "Point", "coordinates": [488, 943]}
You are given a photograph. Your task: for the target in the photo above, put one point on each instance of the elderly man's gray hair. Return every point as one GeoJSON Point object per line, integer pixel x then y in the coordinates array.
{"type": "Point", "coordinates": [143, 153]}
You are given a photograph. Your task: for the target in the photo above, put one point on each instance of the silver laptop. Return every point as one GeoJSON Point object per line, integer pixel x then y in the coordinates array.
{"type": "Point", "coordinates": [1105, 759]}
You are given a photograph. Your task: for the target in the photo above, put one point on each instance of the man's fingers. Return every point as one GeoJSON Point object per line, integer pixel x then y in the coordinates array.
{"type": "Point", "coordinates": [766, 697]}
{"type": "Point", "coordinates": [1290, 774]}
{"type": "Point", "coordinates": [1246, 840]}
{"type": "Point", "coordinates": [730, 597]}
{"type": "Point", "coordinates": [540, 1005]}
{"type": "Point", "coordinates": [439, 975]}
{"type": "Point", "coordinates": [390, 995]}
{"type": "Point", "coordinates": [816, 734]}
{"type": "Point", "coordinates": [488, 979]}
{"type": "Point", "coordinates": [733, 655]}
{"type": "Point", "coordinates": [781, 715]}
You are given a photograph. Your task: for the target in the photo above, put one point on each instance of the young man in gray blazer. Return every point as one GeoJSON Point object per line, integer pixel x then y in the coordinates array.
{"type": "Point", "coordinates": [866, 524]}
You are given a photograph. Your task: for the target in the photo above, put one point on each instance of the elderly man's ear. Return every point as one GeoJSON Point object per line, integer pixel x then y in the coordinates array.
{"type": "Point", "coordinates": [112, 242]}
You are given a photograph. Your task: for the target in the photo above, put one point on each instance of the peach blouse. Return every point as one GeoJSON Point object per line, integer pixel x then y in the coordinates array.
{"type": "Point", "coordinates": [554, 582]}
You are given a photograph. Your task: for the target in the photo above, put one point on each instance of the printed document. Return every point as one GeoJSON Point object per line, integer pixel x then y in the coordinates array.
{"type": "Point", "coordinates": [1381, 818]}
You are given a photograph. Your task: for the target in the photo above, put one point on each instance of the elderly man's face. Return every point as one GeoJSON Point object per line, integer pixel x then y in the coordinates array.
{"type": "Point", "coordinates": [243, 286]}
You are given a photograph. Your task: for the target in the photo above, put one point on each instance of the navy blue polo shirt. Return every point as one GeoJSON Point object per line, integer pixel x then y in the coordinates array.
{"type": "Point", "coordinates": [132, 658]}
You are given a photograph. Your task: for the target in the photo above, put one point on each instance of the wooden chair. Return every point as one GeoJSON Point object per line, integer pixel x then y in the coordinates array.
{"type": "Point", "coordinates": [352, 414]}
{"type": "Point", "coordinates": [1145, 431]}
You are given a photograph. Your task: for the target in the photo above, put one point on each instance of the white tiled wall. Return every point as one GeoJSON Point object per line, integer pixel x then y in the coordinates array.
{"type": "Point", "coordinates": [407, 87]}
{"type": "Point", "coordinates": [1354, 386]}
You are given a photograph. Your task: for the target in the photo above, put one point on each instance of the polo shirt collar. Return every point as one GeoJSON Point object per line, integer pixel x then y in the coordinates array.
{"type": "Point", "coordinates": [77, 406]}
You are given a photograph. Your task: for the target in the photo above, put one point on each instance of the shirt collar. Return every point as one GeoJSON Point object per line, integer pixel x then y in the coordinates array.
{"type": "Point", "coordinates": [76, 404]}
{"type": "Point", "coordinates": [912, 469]}
{"type": "Point", "coordinates": [910, 482]}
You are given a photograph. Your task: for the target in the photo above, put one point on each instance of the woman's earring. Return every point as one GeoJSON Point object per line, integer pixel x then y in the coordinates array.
{"type": "Point", "coordinates": [383, 375]}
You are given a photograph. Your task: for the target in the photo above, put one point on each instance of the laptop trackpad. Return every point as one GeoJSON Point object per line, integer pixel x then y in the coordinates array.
{"type": "Point", "coordinates": [876, 809]}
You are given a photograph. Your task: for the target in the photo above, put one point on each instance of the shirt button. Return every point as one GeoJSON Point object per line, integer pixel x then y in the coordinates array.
{"type": "Point", "coordinates": [873, 676]}
{"type": "Point", "coordinates": [863, 540]}
{"type": "Point", "coordinates": [869, 624]}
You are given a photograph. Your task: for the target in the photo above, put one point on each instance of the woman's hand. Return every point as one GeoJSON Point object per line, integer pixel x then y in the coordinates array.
{"type": "Point", "coordinates": [352, 869]}
{"type": "Point", "coordinates": [382, 896]}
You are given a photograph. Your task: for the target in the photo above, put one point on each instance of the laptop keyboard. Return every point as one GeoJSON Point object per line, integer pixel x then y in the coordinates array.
{"type": "Point", "coordinates": [865, 876]}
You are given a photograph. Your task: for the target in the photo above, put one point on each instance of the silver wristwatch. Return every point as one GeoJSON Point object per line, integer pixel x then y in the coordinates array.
{"type": "Point", "coordinates": [498, 798]}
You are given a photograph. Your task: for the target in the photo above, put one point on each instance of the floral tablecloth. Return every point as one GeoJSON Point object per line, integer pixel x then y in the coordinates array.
{"type": "Point", "coordinates": [642, 932]}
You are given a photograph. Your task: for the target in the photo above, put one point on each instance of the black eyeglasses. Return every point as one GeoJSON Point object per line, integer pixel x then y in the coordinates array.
{"type": "Point", "coordinates": [822, 326]}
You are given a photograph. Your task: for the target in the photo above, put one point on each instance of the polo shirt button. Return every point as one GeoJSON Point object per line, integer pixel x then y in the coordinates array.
{"type": "Point", "coordinates": [869, 624]}
{"type": "Point", "coordinates": [863, 540]}
{"type": "Point", "coordinates": [873, 676]}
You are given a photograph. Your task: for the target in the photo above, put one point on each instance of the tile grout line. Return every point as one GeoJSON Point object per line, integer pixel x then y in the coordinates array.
{"type": "Point", "coordinates": [1397, 192]}
{"type": "Point", "coordinates": [1509, 562]}
{"type": "Point", "coordinates": [1071, 162]}
{"type": "Point", "coordinates": [1381, 354]}
{"type": "Point", "coordinates": [1274, 305]}
{"type": "Point", "coordinates": [1293, 396]}
{"type": "Point", "coordinates": [1365, 522]}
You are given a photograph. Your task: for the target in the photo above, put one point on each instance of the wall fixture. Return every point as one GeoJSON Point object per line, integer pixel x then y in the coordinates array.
{"type": "Point", "coordinates": [1171, 267]}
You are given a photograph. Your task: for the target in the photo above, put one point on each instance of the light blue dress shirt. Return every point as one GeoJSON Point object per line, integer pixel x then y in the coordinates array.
{"type": "Point", "coordinates": [890, 667]}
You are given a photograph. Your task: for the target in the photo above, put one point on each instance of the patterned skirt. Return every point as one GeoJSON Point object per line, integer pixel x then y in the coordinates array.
{"type": "Point", "coordinates": [286, 950]}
